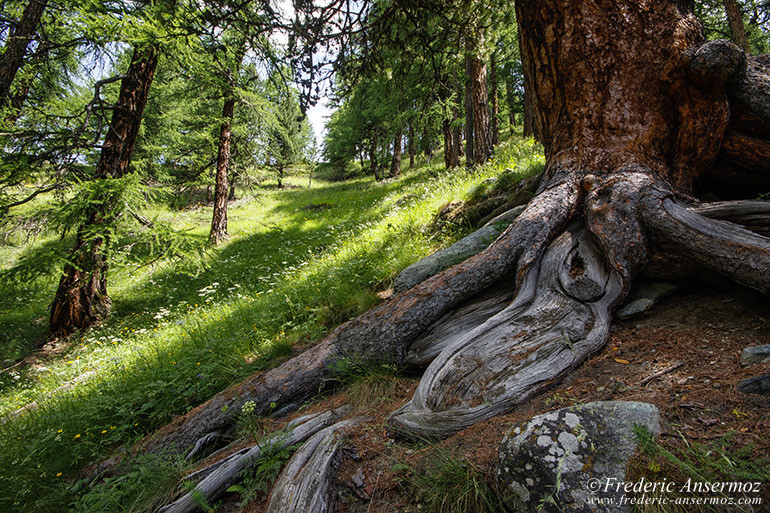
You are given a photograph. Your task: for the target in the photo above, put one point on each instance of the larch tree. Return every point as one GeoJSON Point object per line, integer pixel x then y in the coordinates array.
{"type": "Point", "coordinates": [634, 109]}
{"type": "Point", "coordinates": [81, 297]}
{"type": "Point", "coordinates": [218, 230]}
{"type": "Point", "coordinates": [17, 40]}
{"type": "Point", "coordinates": [735, 21]}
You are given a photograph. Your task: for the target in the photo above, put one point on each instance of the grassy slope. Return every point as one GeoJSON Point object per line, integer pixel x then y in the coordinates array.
{"type": "Point", "coordinates": [182, 332]}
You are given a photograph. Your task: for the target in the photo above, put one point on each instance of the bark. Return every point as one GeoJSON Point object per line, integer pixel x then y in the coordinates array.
{"type": "Point", "coordinates": [395, 163]}
{"type": "Point", "coordinates": [482, 137]}
{"type": "Point", "coordinates": [218, 231]}
{"type": "Point", "coordinates": [735, 21]}
{"type": "Point", "coordinates": [529, 106]}
{"type": "Point", "coordinates": [18, 39]}
{"type": "Point", "coordinates": [509, 96]}
{"type": "Point", "coordinates": [81, 298]}
{"type": "Point", "coordinates": [449, 144]}
{"type": "Point", "coordinates": [469, 144]}
{"type": "Point", "coordinates": [494, 109]}
{"type": "Point", "coordinates": [411, 143]}
{"type": "Point", "coordinates": [214, 480]}
{"type": "Point", "coordinates": [307, 482]}
{"type": "Point", "coordinates": [373, 156]}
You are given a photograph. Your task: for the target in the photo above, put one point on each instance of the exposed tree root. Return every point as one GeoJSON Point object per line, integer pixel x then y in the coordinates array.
{"type": "Point", "coordinates": [306, 483]}
{"type": "Point", "coordinates": [559, 317]}
{"type": "Point", "coordinates": [382, 334]}
{"type": "Point", "coordinates": [214, 480]}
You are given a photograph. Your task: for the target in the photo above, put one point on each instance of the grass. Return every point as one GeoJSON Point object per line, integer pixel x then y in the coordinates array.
{"type": "Point", "coordinates": [181, 331]}
{"type": "Point", "coordinates": [448, 484]}
{"type": "Point", "coordinates": [691, 465]}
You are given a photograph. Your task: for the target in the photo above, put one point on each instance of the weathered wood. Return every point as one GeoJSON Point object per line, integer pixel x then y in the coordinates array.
{"type": "Point", "coordinates": [720, 246]}
{"type": "Point", "coordinates": [459, 322]}
{"type": "Point", "coordinates": [560, 316]}
{"type": "Point", "coordinates": [225, 473]}
{"type": "Point", "coordinates": [752, 215]}
{"type": "Point", "coordinates": [306, 483]}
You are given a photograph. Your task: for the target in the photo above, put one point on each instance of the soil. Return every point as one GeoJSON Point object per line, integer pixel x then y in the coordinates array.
{"type": "Point", "coordinates": [682, 356]}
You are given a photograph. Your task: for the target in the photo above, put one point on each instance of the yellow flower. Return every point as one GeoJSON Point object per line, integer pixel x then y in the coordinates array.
{"type": "Point", "coordinates": [104, 431]}
{"type": "Point", "coordinates": [58, 474]}
{"type": "Point", "coordinates": [60, 431]}
{"type": "Point", "coordinates": [77, 436]}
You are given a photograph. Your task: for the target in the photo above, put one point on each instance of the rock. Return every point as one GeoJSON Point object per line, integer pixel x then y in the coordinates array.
{"type": "Point", "coordinates": [456, 253]}
{"type": "Point", "coordinates": [757, 385]}
{"type": "Point", "coordinates": [755, 354]}
{"type": "Point", "coordinates": [562, 461]}
{"type": "Point", "coordinates": [643, 296]}
{"type": "Point", "coordinates": [358, 479]}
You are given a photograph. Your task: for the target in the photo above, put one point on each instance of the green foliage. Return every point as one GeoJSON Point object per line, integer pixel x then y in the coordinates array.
{"type": "Point", "coordinates": [259, 478]}
{"type": "Point", "coordinates": [446, 483]}
{"type": "Point", "coordinates": [719, 461]}
{"type": "Point", "coordinates": [146, 487]}
{"type": "Point", "coordinates": [179, 333]}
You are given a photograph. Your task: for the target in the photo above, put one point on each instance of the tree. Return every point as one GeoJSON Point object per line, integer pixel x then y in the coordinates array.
{"type": "Point", "coordinates": [81, 297]}
{"type": "Point", "coordinates": [16, 43]}
{"type": "Point", "coordinates": [219, 215]}
{"type": "Point", "coordinates": [616, 199]}
{"type": "Point", "coordinates": [735, 20]}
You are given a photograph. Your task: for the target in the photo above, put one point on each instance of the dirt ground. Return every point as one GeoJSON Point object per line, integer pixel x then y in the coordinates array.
{"type": "Point", "coordinates": [682, 356]}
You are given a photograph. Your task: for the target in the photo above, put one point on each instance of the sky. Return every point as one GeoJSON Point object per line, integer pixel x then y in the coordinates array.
{"type": "Point", "coordinates": [318, 116]}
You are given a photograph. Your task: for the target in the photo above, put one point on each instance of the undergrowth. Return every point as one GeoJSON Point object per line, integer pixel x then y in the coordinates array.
{"type": "Point", "coordinates": [692, 467]}
{"type": "Point", "coordinates": [445, 483]}
{"type": "Point", "coordinates": [182, 331]}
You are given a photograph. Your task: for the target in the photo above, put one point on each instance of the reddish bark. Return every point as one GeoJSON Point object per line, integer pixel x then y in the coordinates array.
{"type": "Point", "coordinates": [494, 109]}
{"type": "Point", "coordinates": [16, 44]}
{"type": "Point", "coordinates": [81, 297]}
{"type": "Point", "coordinates": [735, 21]}
{"type": "Point", "coordinates": [482, 137]}
{"type": "Point", "coordinates": [468, 127]}
{"type": "Point", "coordinates": [395, 163]}
{"type": "Point", "coordinates": [218, 231]}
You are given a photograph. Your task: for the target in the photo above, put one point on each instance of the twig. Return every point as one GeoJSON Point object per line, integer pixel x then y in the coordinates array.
{"type": "Point", "coordinates": [374, 491]}
{"type": "Point", "coordinates": [664, 371]}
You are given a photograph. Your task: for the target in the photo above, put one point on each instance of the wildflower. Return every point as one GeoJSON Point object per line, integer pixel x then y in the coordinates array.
{"type": "Point", "coordinates": [104, 431]}
{"type": "Point", "coordinates": [58, 474]}
{"type": "Point", "coordinates": [77, 436]}
{"type": "Point", "coordinates": [248, 407]}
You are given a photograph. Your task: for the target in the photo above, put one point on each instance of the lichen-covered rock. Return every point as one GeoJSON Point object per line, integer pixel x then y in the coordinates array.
{"type": "Point", "coordinates": [571, 460]}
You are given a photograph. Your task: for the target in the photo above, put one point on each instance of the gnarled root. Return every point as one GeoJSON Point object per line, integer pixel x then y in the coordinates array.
{"type": "Point", "coordinates": [559, 317]}
{"type": "Point", "coordinates": [306, 482]}
{"type": "Point", "coordinates": [214, 480]}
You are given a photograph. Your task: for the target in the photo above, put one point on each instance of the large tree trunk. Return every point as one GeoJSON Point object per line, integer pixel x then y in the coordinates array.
{"type": "Point", "coordinates": [18, 39]}
{"type": "Point", "coordinates": [218, 231]}
{"type": "Point", "coordinates": [632, 110]}
{"type": "Point", "coordinates": [81, 297]}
